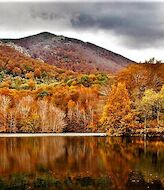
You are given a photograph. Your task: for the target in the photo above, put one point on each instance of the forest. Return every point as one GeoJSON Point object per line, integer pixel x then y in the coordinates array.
{"type": "Point", "coordinates": [38, 97]}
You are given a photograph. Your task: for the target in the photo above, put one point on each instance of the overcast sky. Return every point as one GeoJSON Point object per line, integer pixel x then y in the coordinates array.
{"type": "Point", "coordinates": [134, 30]}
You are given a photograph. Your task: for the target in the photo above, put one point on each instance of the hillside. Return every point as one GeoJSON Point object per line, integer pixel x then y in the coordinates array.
{"type": "Point", "coordinates": [72, 54]}
{"type": "Point", "coordinates": [39, 97]}
{"type": "Point", "coordinates": [17, 65]}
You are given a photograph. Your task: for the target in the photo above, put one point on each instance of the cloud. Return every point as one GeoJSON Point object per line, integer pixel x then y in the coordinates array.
{"type": "Point", "coordinates": [137, 25]}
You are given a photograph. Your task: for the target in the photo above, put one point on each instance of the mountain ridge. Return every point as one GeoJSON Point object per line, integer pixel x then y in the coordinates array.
{"type": "Point", "coordinates": [71, 53]}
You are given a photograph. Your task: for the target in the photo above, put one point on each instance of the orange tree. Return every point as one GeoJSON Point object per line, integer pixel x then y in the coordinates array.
{"type": "Point", "coordinates": [118, 116]}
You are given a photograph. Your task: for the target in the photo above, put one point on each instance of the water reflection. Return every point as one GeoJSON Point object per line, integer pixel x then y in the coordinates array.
{"type": "Point", "coordinates": [83, 162]}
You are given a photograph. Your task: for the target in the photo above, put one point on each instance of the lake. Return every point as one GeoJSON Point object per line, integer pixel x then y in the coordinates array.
{"type": "Point", "coordinates": [77, 163]}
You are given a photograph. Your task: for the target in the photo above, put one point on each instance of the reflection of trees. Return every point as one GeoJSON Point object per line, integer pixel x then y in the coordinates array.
{"type": "Point", "coordinates": [25, 154]}
{"type": "Point", "coordinates": [118, 161]}
{"type": "Point", "coordinates": [81, 156]}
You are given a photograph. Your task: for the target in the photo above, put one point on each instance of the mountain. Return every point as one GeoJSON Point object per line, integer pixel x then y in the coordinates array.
{"type": "Point", "coordinates": [71, 54]}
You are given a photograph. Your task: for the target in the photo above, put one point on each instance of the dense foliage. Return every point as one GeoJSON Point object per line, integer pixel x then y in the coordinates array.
{"type": "Point", "coordinates": [37, 97]}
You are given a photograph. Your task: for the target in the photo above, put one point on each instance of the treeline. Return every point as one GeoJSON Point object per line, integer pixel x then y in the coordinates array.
{"type": "Point", "coordinates": [136, 101]}
{"type": "Point", "coordinates": [108, 108]}
{"type": "Point", "coordinates": [48, 109]}
{"type": "Point", "coordinates": [37, 97]}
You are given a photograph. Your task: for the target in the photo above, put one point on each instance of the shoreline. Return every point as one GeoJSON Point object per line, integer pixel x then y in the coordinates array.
{"type": "Point", "coordinates": [53, 135]}
{"type": "Point", "coordinates": [2, 135]}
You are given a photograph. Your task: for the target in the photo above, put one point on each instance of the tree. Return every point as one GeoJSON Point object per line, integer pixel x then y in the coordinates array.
{"type": "Point", "coordinates": [29, 75]}
{"type": "Point", "coordinates": [31, 84]}
{"type": "Point", "coordinates": [43, 113]}
{"type": "Point", "coordinates": [17, 71]}
{"type": "Point", "coordinates": [2, 127]}
{"type": "Point", "coordinates": [56, 119]}
{"type": "Point", "coordinates": [24, 106]}
{"type": "Point", "coordinates": [5, 102]}
{"type": "Point", "coordinates": [141, 77]}
{"type": "Point", "coordinates": [12, 121]}
{"type": "Point", "coordinates": [151, 104]}
{"type": "Point", "coordinates": [118, 115]}
{"type": "Point", "coordinates": [51, 117]}
{"type": "Point", "coordinates": [37, 73]}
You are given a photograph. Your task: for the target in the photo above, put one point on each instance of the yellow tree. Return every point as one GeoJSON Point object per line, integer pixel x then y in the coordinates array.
{"type": "Point", "coordinates": [118, 116]}
{"type": "Point", "coordinates": [151, 105]}
{"type": "Point", "coordinates": [161, 106]}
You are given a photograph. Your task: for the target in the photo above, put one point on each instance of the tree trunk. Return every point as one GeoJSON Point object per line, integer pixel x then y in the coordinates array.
{"type": "Point", "coordinates": [158, 118]}
{"type": "Point", "coordinates": [145, 128]}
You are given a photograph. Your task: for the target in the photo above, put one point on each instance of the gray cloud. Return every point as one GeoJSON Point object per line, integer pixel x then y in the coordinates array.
{"type": "Point", "coordinates": [138, 25]}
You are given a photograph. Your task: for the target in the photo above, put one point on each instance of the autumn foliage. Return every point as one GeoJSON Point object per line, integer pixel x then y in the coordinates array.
{"type": "Point", "coordinates": [37, 97]}
{"type": "Point", "coordinates": [118, 114]}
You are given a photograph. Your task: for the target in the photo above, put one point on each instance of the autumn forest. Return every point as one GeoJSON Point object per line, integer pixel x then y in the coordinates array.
{"type": "Point", "coordinates": [39, 97]}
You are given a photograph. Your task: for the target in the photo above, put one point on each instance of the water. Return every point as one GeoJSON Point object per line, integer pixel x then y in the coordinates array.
{"type": "Point", "coordinates": [77, 163]}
